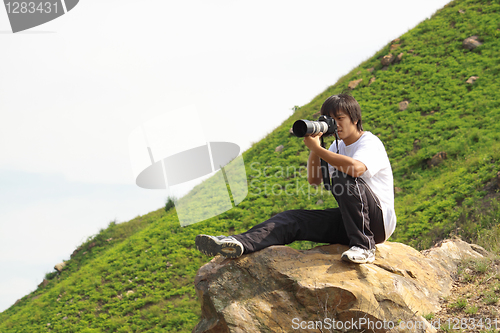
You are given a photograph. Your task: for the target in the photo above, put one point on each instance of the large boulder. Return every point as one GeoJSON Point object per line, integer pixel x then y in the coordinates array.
{"type": "Point", "coordinates": [280, 289]}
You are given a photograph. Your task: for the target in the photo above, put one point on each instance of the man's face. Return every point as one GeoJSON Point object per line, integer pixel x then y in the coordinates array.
{"type": "Point", "coordinates": [345, 126]}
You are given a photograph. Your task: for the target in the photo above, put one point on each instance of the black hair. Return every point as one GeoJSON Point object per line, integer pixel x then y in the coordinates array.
{"type": "Point", "coordinates": [343, 102]}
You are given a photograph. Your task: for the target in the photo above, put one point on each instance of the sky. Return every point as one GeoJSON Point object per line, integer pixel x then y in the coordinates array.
{"type": "Point", "coordinates": [72, 91]}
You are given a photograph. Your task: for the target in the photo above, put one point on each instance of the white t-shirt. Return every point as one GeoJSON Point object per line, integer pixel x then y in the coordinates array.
{"type": "Point", "coordinates": [369, 150]}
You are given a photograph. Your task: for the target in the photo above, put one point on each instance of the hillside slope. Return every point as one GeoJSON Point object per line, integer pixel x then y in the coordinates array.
{"type": "Point", "coordinates": [141, 280]}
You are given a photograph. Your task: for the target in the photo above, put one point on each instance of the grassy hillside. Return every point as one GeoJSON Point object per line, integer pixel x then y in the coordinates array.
{"type": "Point", "coordinates": [138, 276]}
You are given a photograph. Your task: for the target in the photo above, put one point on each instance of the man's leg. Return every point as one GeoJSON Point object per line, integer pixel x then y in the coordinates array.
{"type": "Point", "coordinates": [360, 208]}
{"type": "Point", "coordinates": [322, 226]}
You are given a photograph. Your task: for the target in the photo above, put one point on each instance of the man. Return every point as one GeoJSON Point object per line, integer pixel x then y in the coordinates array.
{"type": "Point", "coordinates": [362, 184]}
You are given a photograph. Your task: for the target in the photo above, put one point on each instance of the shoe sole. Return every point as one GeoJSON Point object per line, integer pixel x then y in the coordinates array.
{"type": "Point", "coordinates": [366, 261]}
{"type": "Point", "coordinates": [212, 247]}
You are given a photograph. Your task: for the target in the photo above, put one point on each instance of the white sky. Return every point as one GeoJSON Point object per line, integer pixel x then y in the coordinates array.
{"type": "Point", "coordinates": [72, 90]}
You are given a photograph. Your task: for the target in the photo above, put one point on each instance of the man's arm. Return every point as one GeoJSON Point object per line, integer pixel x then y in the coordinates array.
{"type": "Point", "coordinates": [314, 169]}
{"type": "Point", "coordinates": [342, 163]}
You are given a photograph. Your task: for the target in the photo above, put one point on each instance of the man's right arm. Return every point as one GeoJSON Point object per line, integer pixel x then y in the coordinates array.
{"type": "Point", "coordinates": [314, 175]}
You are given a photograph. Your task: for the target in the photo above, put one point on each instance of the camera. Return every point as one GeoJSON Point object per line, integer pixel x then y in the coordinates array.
{"type": "Point", "coordinates": [325, 124]}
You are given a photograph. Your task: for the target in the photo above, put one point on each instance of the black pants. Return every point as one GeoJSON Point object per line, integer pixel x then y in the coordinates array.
{"type": "Point", "coordinates": [358, 220]}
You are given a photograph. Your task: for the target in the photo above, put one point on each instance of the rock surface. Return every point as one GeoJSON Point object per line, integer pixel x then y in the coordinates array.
{"type": "Point", "coordinates": [280, 289]}
{"type": "Point", "coordinates": [437, 159]}
{"type": "Point", "coordinates": [399, 57]}
{"type": "Point", "coordinates": [472, 79]}
{"type": "Point", "coordinates": [403, 105]}
{"type": "Point", "coordinates": [471, 43]}
{"type": "Point", "coordinates": [354, 84]}
{"type": "Point", "coordinates": [43, 284]}
{"type": "Point", "coordinates": [388, 59]}
{"type": "Point", "coordinates": [59, 267]}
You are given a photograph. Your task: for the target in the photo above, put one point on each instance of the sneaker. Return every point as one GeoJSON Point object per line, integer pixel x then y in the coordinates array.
{"type": "Point", "coordinates": [228, 246]}
{"type": "Point", "coordinates": [359, 255]}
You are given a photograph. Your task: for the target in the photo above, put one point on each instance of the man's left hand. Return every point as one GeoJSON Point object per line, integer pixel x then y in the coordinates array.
{"type": "Point", "coordinates": [313, 141]}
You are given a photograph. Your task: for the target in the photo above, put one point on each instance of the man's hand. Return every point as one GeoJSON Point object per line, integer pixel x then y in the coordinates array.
{"type": "Point", "coordinates": [342, 163]}
{"type": "Point", "coordinates": [313, 141]}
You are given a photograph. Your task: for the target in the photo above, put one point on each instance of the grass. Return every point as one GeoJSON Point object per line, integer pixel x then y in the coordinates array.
{"type": "Point", "coordinates": [459, 304]}
{"type": "Point", "coordinates": [475, 295]}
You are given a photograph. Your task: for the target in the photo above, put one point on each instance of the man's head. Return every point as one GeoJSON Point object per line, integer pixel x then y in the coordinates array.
{"type": "Point", "coordinates": [335, 105]}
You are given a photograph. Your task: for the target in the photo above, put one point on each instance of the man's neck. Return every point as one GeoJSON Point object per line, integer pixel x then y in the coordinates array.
{"type": "Point", "coordinates": [353, 138]}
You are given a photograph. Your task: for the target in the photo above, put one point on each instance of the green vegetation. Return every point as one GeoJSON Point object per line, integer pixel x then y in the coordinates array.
{"type": "Point", "coordinates": [138, 276]}
{"type": "Point", "coordinates": [428, 316]}
{"type": "Point", "coordinates": [170, 203]}
{"type": "Point", "coordinates": [459, 304]}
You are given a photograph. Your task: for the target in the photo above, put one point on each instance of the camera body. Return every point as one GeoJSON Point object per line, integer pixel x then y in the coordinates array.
{"type": "Point", "coordinates": [325, 124]}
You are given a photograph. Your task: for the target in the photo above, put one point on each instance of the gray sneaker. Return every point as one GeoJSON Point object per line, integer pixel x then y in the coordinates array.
{"type": "Point", "coordinates": [358, 255]}
{"type": "Point", "coordinates": [227, 246]}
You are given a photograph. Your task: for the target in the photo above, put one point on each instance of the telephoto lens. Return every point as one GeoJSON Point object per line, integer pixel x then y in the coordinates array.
{"type": "Point", "coordinates": [304, 127]}
{"type": "Point", "coordinates": [325, 124]}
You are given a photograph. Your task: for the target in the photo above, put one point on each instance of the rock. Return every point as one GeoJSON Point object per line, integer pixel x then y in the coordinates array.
{"type": "Point", "coordinates": [319, 202]}
{"type": "Point", "coordinates": [397, 190]}
{"type": "Point", "coordinates": [75, 252]}
{"type": "Point", "coordinates": [461, 11]}
{"type": "Point", "coordinates": [399, 57]}
{"type": "Point", "coordinates": [59, 267]}
{"type": "Point", "coordinates": [472, 79]}
{"type": "Point", "coordinates": [130, 292]}
{"type": "Point", "coordinates": [354, 84]}
{"type": "Point", "coordinates": [388, 59]}
{"type": "Point", "coordinates": [395, 41]}
{"type": "Point", "coordinates": [403, 105]}
{"type": "Point", "coordinates": [43, 284]}
{"type": "Point", "coordinates": [371, 69]}
{"type": "Point", "coordinates": [437, 159]}
{"type": "Point", "coordinates": [471, 43]}
{"type": "Point", "coordinates": [416, 145]}
{"type": "Point", "coordinates": [394, 46]}
{"type": "Point", "coordinates": [279, 148]}
{"type": "Point", "coordinates": [264, 291]}
{"type": "Point", "coordinates": [371, 81]}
